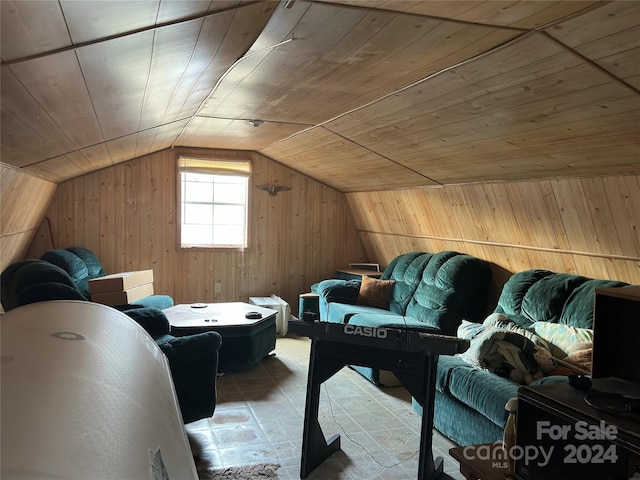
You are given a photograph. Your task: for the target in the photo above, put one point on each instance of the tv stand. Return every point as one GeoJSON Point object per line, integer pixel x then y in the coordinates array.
{"type": "Point", "coordinates": [572, 439]}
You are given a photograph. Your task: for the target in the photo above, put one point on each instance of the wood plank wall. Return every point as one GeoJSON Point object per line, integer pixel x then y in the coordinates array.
{"type": "Point", "coordinates": [23, 200]}
{"type": "Point", "coordinates": [127, 215]}
{"type": "Point", "coordinates": [585, 226]}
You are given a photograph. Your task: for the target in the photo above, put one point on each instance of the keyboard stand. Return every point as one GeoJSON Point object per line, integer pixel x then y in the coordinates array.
{"type": "Point", "coordinates": [416, 371]}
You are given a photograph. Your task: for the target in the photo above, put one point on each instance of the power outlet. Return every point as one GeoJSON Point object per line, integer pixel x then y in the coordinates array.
{"type": "Point", "coordinates": [217, 287]}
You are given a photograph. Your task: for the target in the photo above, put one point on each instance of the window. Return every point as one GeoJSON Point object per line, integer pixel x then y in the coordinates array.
{"type": "Point", "coordinates": [214, 202]}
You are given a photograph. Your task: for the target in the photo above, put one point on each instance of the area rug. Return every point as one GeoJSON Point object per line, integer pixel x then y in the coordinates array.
{"type": "Point", "coordinates": [261, 471]}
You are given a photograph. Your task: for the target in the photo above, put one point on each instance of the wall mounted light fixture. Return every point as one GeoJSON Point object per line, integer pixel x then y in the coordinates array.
{"type": "Point", "coordinates": [273, 189]}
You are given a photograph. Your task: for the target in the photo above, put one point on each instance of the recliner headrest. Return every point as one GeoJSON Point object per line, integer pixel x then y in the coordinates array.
{"type": "Point", "coordinates": [69, 262]}
{"type": "Point", "coordinates": [33, 280]}
{"type": "Point", "coordinates": [94, 267]}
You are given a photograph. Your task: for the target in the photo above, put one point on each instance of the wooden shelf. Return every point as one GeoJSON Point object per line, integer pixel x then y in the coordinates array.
{"type": "Point", "coordinates": [356, 273]}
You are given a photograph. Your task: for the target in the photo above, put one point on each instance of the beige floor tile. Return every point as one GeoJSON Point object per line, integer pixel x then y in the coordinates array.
{"type": "Point", "coordinates": [259, 418]}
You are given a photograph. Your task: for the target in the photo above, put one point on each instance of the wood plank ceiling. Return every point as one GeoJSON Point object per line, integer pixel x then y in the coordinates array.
{"type": "Point", "coordinates": [361, 95]}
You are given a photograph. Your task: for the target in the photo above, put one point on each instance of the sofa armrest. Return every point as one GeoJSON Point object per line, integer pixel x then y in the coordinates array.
{"type": "Point", "coordinates": [154, 321]}
{"type": "Point", "coordinates": [193, 360]}
{"type": "Point", "coordinates": [335, 290]}
{"type": "Point", "coordinates": [161, 302]}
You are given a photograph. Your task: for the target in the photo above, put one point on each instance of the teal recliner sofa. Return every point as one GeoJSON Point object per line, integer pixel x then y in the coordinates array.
{"type": "Point", "coordinates": [432, 292]}
{"type": "Point", "coordinates": [470, 402]}
{"type": "Point", "coordinates": [193, 359]}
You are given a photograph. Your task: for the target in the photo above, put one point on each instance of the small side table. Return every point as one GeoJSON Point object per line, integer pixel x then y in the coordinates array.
{"type": "Point", "coordinates": [477, 462]}
{"type": "Point", "coordinates": [356, 273]}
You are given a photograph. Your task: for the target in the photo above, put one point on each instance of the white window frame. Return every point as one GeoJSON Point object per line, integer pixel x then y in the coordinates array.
{"type": "Point", "coordinates": [192, 168]}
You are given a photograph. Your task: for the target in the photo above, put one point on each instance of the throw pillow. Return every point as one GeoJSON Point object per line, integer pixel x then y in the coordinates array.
{"type": "Point", "coordinates": [375, 292]}
{"type": "Point", "coordinates": [564, 339]}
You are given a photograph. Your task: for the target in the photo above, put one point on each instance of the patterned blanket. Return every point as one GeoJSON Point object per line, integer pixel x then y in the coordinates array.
{"type": "Point", "coordinates": [507, 350]}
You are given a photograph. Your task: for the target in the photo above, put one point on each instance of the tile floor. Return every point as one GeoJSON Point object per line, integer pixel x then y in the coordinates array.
{"type": "Point", "coordinates": [259, 417]}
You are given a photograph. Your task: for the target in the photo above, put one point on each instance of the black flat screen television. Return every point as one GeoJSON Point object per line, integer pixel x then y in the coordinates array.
{"type": "Point", "coordinates": [616, 334]}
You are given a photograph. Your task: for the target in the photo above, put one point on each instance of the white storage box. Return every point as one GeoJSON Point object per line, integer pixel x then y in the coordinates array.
{"type": "Point", "coordinates": [276, 303]}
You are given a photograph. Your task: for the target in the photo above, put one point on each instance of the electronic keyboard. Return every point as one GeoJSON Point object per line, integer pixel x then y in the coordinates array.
{"type": "Point", "coordinates": [403, 339]}
{"type": "Point", "coordinates": [409, 353]}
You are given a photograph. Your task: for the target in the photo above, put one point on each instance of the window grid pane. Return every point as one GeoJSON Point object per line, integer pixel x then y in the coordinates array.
{"type": "Point", "coordinates": [214, 210]}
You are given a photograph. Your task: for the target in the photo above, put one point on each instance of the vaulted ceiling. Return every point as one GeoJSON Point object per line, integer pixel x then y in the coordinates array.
{"type": "Point", "coordinates": [360, 95]}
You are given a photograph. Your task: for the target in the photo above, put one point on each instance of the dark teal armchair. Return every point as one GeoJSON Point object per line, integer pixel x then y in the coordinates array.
{"type": "Point", "coordinates": [193, 359]}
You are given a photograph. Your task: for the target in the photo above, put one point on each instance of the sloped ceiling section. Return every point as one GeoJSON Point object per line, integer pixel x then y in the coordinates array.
{"type": "Point", "coordinates": [361, 95]}
{"type": "Point", "coordinates": [125, 81]}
